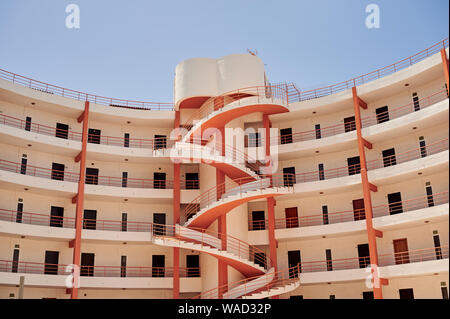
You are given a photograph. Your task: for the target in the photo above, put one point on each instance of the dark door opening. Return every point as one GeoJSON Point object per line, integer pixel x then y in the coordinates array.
{"type": "Point", "coordinates": [423, 148]}
{"type": "Point", "coordinates": [192, 181]}
{"type": "Point", "coordinates": [321, 172]}
{"type": "Point", "coordinates": [91, 176]}
{"type": "Point", "coordinates": [254, 139]}
{"type": "Point", "coordinates": [363, 254]}
{"type": "Point", "coordinates": [389, 157]}
{"type": "Point", "coordinates": [406, 293]}
{"type": "Point", "coordinates": [15, 261]}
{"type": "Point", "coordinates": [286, 135]}
{"type": "Point", "coordinates": [291, 214]}
{"type": "Point", "coordinates": [19, 214]}
{"type": "Point", "coordinates": [90, 219]}
{"type": "Point", "coordinates": [158, 265]}
{"type": "Point", "coordinates": [368, 295]}
{"type": "Point", "coordinates": [124, 221]}
{"type": "Point", "coordinates": [159, 180]}
{"type": "Point", "coordinates": [28, 124]}
{"type": "Point", "coordinates": [289, 176]}
{"type": "Point", "coordinates": [416, 102]}
{"type": "Point", "coordinates": [23, 166]}
{"type": "Point", "coordinates": [123, 266]}
{"type": "Point", "coordinates": [401, 251]}
{"type": "Point", "coordinates": [87, 264]}
{"type": "Point", "coordinates": [354, 166]}
{"type": "Point", "coordinates": [56, 216]}
{"type": "Point", "coordinates": [430, 198]}
{"type": "Point", "coordinates": [126, 140]}
{"type": "Point", "coordinates": [437, 246]}
{"type": "Point", "coordinates": [62, 130]}
{"type": "Point", "coordinates": [325, 215]}
{"type": "Point", "coordinates": [349, 124]}
{"type": "Point", "coordinates": [329, 260]}
{"type": "Point", "coordinates": [318, 131]}
{"type": "Point", "coordinates": [259, 258]}
{"type": "Point", "coordinates": [124, 179]}
{"type": "Point", "coordinates": [382, 114]}
{"type": "Point", "coordinates": [160, 142]}
{"type": "Point", "coordinates": [395, 203]}
{"type": "Point", "coordinates": [258, 220]}
{"type": "Point", "coordinates": [159, 222]}
{"type": "Point", "coordinates": [51, 262]}
{"type": "Point", "coordinates": [294, 259]}
{"type": "Point", "coordinates": [359, 211]}
{"type": "Point", "coordinates": [193, 265]}
{"type": "Point", "coordinates": [58, 171]}
{"type": "Point", "coordinates": [94, 136]}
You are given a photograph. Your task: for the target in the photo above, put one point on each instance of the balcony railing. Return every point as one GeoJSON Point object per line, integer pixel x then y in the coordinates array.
{"type": "Point", "coordinates": [295, 95]}
{"type": "Point", "coordinates": [353, 215]}
{"type": "Point", "coordinates": [81, 96]}
{"type": "Point", "coordinates": [95, 271]}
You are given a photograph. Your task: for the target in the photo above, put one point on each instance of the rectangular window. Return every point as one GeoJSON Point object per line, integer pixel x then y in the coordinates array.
{"type": "Point", "coordinates": [192, 181]}
{"type": "Point", "coordinates": [62, 130]}
{"type": "Point", "coordinates": [28, 124]}
{"type": "Point", "coordinates": [23, 166]}
{"type": "Point", "coordinates": [289, 176]}
{"type": "Point", "coordinates": [258, 220]}
{"type": "Point", "coordinates": [160, 142]}
{"type": "Point", "coordinates": [123, 266]}
{"type": "Point", "coordinates": [19, 212]}
{"type": "Point", "coordinates": [321, 172]}
{"type": "Point", "coordinates": [91, 176]}
{"type": "Point", "coordinates": [51, 262]}
{"type": "Point", "coordinates": [15, 261]}
{"type": "Point", "coordinates": [318, 131]}
{"type": "Point", "coordinates": [416, 102]}
{"type": "Point", "coordinates": [349, 124]}
{"type": "Point", "coordinates": [90, 219]}
{"type": "Point", "coordinates": [159, 180]}
{"type": "Point", "coordinates": [382, 114]}
{"type": "Point", "coordinates": [437, 246]}
{"type": "Point", "coordinates": [124, 179]}
{"type": "Point", "coordinates": [56, 216]}
{"type": "Point", "coordinates": [94, 136]}
{"type": "Point", "coordinates": [329, 260]}
{"type": "Point", "coordinates": [354, 166]}
{"type": "Point", "coordinates": [325, 215]}
{"type": "Point", "coordinates": [389, 158]}
{"type": "Point", "coordinates": [430, 198]}
{"type": "Point", "coordinates": [406, 293]}
{"type": "Point", "coordinates": [423, 147]}
{"type": "Point", "coordinates": [124, 221]}
{"type": "Point", "coordinates": [57, 171]}
{"type": "Point", "coordinates": [286, 136]}
{"type": "Point", "coordinates": [126, 140]}
{"type": "Point", "coordinates": [395, 203]}
{"type": "Point", "coordinates": [444, 291]}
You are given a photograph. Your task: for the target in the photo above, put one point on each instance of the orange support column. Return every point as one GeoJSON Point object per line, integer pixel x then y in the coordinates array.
{"type": "Point", "coordinates": [176, 218]}
{"type": "Point", "coordinates": [270, 201]}
{"type": "Point", "coordinates": [367, 188]}
{"type": "Point", "coordinates": [222, 220]}
{"type": "Point", "coordinates": [445, 66]}
{"type": "Point", "coordinates": [79, 200]}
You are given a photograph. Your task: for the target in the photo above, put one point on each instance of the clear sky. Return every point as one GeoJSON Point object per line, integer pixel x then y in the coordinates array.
{"type": "Point", "coordinates": [129, 49]}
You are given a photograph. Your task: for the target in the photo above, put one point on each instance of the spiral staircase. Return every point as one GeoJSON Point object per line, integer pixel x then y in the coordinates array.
{"type": "Point", "coordinates": [245, 184]}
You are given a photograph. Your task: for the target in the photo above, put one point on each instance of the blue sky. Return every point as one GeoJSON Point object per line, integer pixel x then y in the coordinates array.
{"type": "Point", "coordinates": [129, 49]}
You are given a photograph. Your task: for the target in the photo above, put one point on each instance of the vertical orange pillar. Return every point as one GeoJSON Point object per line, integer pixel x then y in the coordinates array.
{"type": "Point", "coordinates": [270, 201]}
{"type": "Point", "coordinates": [445, 66]}
{"type": "Point", "coordinates": [222, 220]}
{"type": "Point", "coordinates": [79, 199]}
{"type": "Point", "coordinates": [367, 188]}
{"type": "Point", "coordinates": [176, 217]}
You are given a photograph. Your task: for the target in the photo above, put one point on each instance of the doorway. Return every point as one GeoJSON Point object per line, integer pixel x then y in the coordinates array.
{"type": "Point", "coordinates": [94, 136]}
{"type": "Point", "coordinates": [91, 176]}
{"type": "Point", "coordinates": [289, 176]}
{"type": "Point", "coordinates": [87, 264]}
{"type": "Point", "coordinates": [57, 171]}
{"type": "Point", "coordinates": [259, 258]}
{"type": "Point", "coordinates": [258, 220]}
{"type": "Point", "coordinates": [23, 166]}
{"type": "Point", "coordinates": [406, 293]}
{"type": "Point", "coordinates": [349, 124]}
{"type": "Point", "coordinates": [19, 214]}
{"type": "Point", "coordinates": [90, 219]}
{"type": "Point", "coordinates": [192, 181]}
{"type": "Point", "coordinates": [56, 216]}
{"type": "Point", "coordinates": [160, 142]}
{"type": "Point", "coordinates": [401, 251]}
{"type": "Point", "coordinates": [28, 123]}
{"type": "Point", "coordinates": [389, 157]}
{"type": "Point", "coordinates": [359, 212]}
{"type": "Point", "coordinates": [291, 217]}
{"type": "Point", "coordinates": [382, 114]}
{"type": "Point", "coordinates": [62, 130]}
{"type": "Point", "coordinates": [158, 264]}
{"type": "Point", "coordinates": [363, 254]}
{"type": "Point", "coordinates": [395, 203]}
{"type": "Point", "coordinates": [159, 180]}
{"type": "Point", "coordinates": [51, 262]}
{"type": "Point", "coordinates": [193, 265]}
{"type": "Point", "coordinates": [294, 258]}
{"type": "Point", "coordinates": [354, 166]}
{"type": "Point", "coordinates": [159, 220]}
{"type": "Point", "coordinates": [286, 135]}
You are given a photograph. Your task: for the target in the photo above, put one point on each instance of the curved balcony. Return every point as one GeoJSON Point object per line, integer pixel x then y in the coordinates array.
{"type": "Point", "coordinates": [426, 112]}
{"type": "Point", "coordinates": [353, 215]}
{"type": "Point", "coordinates": [218, 111]}
{"type": "Point", "coordinates": [222, 198]}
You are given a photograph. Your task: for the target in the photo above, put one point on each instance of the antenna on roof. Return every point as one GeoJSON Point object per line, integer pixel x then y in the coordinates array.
{"type": "Point", "coordinates": [252, 52]}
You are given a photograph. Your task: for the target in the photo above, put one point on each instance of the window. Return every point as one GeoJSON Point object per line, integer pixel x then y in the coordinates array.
{"type": "Point", "coordinates": [160, 142]}
{"type": "Point", "coordinates": [19, 212]}
{"type": "Point", "coordinates": [430, 198]}
{"type": "Point", "coordinates": [192, 181]}
{"type": "Point", "coordinates": [321, 172]}
{"type": "Point", "coordinates": [254, 139]}
{"type": "Point", "coordinates": [291, 214]}
{"type": "Point", "coordinates": [406, 293]}
{"type": "Point", "coordinates": [57, 171]}
{"type": "Point", "coordinates": [354, 166]}
{"type": "Point", "coordinates": [416, 102]}
{"type": "Point", "coordinates": [395, 203]}
{"type": "Point", "coordinates": [349, 124]}
{"type": "Point", "coordinates": [124, 179]}
{"type": "Point", "coordinates": [51, 262]}
{"type": "Point", "coordinates": [193, 265]}
{"type": "Point", "coordinates": [94, 136]}
{"type": "Point", "coordinates": [286, 136]}
{"type": "Point", "coordinates": [289, 176]}
{"type": "Point", "coordinates": [318, 131]}
{"type": "Point", "coordinates": [437, 246]}
{"type": "Point", "coordinates": [126, 140]}
{"type": "Point", "coordinates": [23, 165]}
{"type": "Point", "coordinates": [124, 221]}
{"type": "Point", "coordinates": [389, 157]}
{"type": "Point", "coordinates": [382, 114]}
{"type": "Point", "coordinates": [91, 176]}
{"type": "Point", "coordinates": [368, 295]}
{"type": "Point", "coordinates": [325, 215]}
{"type": "Point", "coordinates": [28, 124]}
{"type": "Point", "coordinates": [258, 220]}
{"type": "Point", "coordinates": [329, 260]}
{"type": "Point", "coordinates": [62, 130]}
{"type": "Point", "coordinates": [123, 266]}
{"type": "Point", "coordinates": [90, 219]}
{"type": "Point", "coordinates": [423, 147]}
